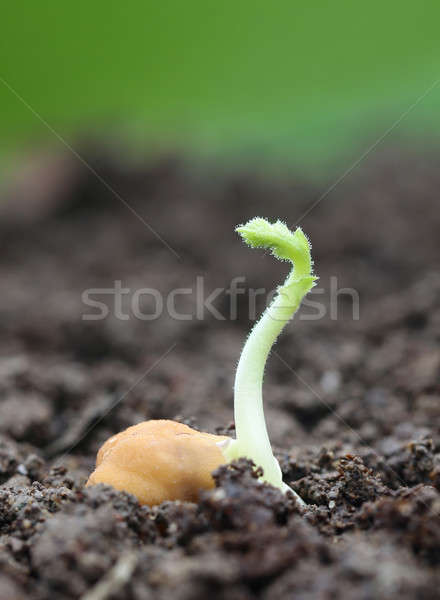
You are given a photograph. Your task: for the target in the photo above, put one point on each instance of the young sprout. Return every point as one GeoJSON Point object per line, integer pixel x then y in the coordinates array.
{"type": "Point", "coordinates": [252, 440]}
{"type": "Point", "coordinates": [162, 460]}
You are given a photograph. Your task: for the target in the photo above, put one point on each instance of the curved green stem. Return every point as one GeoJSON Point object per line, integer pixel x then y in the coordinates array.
{"type": "Point", "coordinates": [252, 440]}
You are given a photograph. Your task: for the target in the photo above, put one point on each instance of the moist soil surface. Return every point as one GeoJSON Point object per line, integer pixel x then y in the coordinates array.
{"type": "Point", "coordinates": [352, 399]}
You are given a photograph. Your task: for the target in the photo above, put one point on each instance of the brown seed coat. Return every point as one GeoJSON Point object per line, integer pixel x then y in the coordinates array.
{"type": "Point", "coordinates": [159, 460]}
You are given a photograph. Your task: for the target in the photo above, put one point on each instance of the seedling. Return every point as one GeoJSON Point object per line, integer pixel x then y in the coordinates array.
{"type": "Point", "coordinates": [252, 440]}
{"type": "Point", "coordinates": [163, 460]}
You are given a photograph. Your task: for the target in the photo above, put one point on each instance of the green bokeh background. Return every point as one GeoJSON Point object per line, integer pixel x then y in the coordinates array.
{"type": "Point", "coordinates": [307, 83]}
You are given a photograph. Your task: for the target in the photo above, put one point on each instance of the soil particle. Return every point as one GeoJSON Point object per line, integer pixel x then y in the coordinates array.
{"type": "Point", "coordinates": [413, 519]}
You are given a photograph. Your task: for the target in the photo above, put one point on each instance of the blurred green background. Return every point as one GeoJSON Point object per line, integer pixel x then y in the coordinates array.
{"type": "Point", "coordinates": [296, 82]}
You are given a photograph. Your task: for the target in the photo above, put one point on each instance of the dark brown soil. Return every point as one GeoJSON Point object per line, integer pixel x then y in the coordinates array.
{"type": "Point", "coordinates": [353, 406]}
